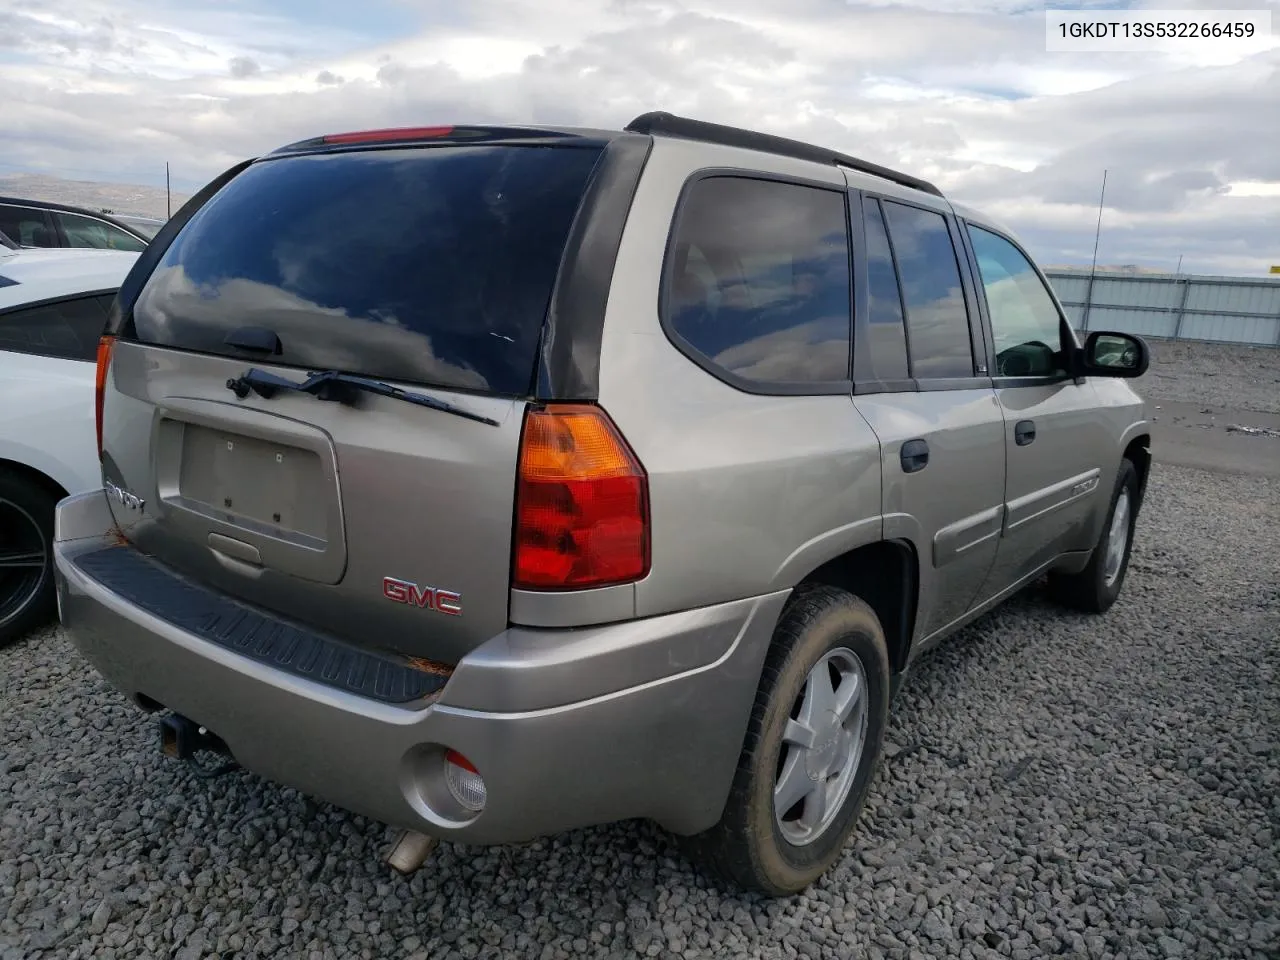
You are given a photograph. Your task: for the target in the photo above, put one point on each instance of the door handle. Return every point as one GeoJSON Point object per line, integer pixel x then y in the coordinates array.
{"type": "Point", "coordinates": [914, 455]}
{"type": "Point", "coordinates": [1024, 432]}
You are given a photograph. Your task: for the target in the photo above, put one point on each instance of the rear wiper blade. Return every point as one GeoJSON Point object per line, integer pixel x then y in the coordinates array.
{"type": "Point", "coordinates": [338, 386]}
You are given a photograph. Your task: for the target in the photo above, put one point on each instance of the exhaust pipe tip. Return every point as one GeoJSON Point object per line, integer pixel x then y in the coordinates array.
{"type": "Point", "coordinates": [411, 851]}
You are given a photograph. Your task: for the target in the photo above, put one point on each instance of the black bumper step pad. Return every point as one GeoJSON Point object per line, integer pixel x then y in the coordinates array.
{"type": "Point", "coordinates": [260, 636]}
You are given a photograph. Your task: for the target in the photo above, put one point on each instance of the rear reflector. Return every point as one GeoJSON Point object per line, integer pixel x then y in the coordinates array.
{"type": "Point", "coordinates": [464, 782]}
{"type": "Point", "coordinates": [105, 345]}
{"type": "Point", "coordinates": [391, 133]}
{"type": "Point", "coordinates": [582, 503]}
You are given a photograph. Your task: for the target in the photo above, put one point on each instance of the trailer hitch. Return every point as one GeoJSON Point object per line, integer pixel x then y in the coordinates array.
{"type": "Point", "coordinates": [182, 739]}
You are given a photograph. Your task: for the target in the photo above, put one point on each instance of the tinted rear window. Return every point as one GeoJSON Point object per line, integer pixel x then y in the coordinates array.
{"type": "Point", "coordinates": [430, 265]}
{"type": "Point", "coordinates": [886, 338]}
{"type": "Point", "coordinates": [937, 318]}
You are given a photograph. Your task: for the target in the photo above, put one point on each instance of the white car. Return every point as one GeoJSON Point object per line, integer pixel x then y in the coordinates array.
{"type": "Point", "coordinates": [53, 309]}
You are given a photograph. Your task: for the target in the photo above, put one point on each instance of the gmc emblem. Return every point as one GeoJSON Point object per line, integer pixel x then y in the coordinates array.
{"type": "Point", "coordinates": [429, 598]}
{"type": "Point", "coordinates": [126, 499]}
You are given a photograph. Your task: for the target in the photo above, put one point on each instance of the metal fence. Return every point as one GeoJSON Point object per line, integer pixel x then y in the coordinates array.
{"type": "Point", "coordinates": [1172, 306]}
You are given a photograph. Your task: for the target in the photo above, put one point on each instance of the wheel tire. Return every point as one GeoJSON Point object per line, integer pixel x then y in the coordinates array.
{"type": "Point", "coordinates": [1093, 590]}
{"type": "Point", "coordinates": [24, 503]}
{"type": "Point", "coordinates": [747, 847]}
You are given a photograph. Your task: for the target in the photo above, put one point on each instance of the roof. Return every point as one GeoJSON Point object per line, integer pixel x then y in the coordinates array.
{"type": "Point", "coordinates": [653, 124]}
{"type": "Point", "coordinates": [42, 274]}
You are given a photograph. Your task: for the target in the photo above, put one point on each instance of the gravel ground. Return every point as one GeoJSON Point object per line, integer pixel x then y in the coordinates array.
{"type": "Point", "coordinates": [1058, 785]}
{"type": "Point", "coordinates": [1216, 374]}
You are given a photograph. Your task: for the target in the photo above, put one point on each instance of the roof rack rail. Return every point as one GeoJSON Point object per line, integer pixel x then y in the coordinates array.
{"type": "Point", "coordinates": [668, 124]}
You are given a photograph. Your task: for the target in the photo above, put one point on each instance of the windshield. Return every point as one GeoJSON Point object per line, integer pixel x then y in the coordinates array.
{"type": "Point", "coordinates": [428, 265]}
{"type": "Point", "coordinates": [148, 228]}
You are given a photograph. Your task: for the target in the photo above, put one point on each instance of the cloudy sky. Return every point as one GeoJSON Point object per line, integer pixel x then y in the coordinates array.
{"type": "Point", "coordinates": [960, 91]}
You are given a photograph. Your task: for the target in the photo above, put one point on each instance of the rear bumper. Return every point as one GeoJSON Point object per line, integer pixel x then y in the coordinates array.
{"type": "Point", "coordinates": [568, 727]}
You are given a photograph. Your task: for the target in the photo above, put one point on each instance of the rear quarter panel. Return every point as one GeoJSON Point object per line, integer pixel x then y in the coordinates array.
{"type": "Point", "coordinates": [47, 420]}
{"type": "Point", "coordinates": [748, 493]}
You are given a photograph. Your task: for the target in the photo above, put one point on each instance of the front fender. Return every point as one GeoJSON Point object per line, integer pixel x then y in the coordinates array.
{"type": "Point", "coordinates": [1136, 429]}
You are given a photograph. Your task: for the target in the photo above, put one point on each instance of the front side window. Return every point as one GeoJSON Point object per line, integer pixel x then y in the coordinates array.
{"type": "Point", "coordinates": [88, 232]}
{"type": "Point", "coordinates": [147, 227]}
{"type": "Point", "coordinates": [937, 319]}
{"type": "Point", "coordinates": [758, 280]}
{"type": "Point", "coordinates": [1024, 319]}
{"type": "Point", "coordinates": [68, 329]}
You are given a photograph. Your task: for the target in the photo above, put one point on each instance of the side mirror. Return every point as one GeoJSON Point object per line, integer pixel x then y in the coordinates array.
{"type": "Point", "coordinates": [1107, 354]}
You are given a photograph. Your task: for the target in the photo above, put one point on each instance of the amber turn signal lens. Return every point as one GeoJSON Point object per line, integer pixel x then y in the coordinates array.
{"type": "Point", "coordinates": [105, 345]}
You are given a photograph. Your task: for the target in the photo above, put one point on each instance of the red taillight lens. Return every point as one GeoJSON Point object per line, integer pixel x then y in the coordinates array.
{"type": "Point", "coordinates": [582, 503]}
{"type": "Point", "coordinates": [105, 345]}
{"type": "Point", "coordinates": [465, 782]}
{"type": "Point", "coordinates": [454, 757]}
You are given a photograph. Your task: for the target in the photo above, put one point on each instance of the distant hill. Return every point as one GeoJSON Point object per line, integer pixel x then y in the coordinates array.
{"type": "Point", "coordinates": [117, 197]}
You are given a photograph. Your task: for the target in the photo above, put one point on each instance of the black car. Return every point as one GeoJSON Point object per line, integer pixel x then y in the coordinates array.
{"type": "Point", "coordinates": [40, 223]}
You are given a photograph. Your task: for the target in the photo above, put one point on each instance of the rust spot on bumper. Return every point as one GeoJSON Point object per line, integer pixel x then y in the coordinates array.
{"type": "Point", "coordinates": [433, 667]}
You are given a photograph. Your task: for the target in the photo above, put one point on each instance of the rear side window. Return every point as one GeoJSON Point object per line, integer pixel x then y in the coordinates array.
{"type": "Point", "coordinates": [937, 319]}
{"type": "Point", "coordinates": [886, 338]}
{"type": "Point", "coordinates": [27, 226]}
{"type": "Point", "coordinates": [68, 329]}
{"type": "Point", "coordinates": [427, 265]}
{"type": "Point", "coordinates": [758, 281]}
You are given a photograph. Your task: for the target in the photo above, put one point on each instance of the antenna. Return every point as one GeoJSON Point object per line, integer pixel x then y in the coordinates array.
{"type": "Point", "coordinates": [1093, 270]}
{"type": "Point", "coordinates": [168, 201]}
{"type": "Point", "coordinates": [1179, 269]}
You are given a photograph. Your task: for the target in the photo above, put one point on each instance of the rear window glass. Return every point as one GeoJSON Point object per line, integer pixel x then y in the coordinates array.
{"type": "Point", "coordinates": [432, 266]}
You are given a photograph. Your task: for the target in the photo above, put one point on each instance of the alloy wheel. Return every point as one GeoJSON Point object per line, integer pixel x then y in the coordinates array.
{"type": "Point", "coordinates": [822, 747]}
